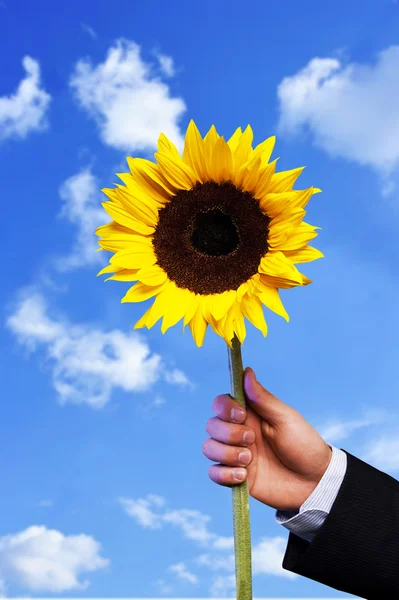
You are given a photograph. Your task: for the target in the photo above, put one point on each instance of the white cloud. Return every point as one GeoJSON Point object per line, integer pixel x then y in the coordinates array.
{"type": "Point", "coordinates": [87, 363]}
{"type": "Point", "coordinates": [151, 513]}
{"type": "Point", "coordinates": [89, 30]}
{"type": "Point", "coordinates": [82, 199]}
{"type": "Point", "coordinates": [41, 559]}
{"type": "Point", "coordinates": [383, 452]}
{"type": "Point", "coordinates": [25, 110]}
{"type": "Point", "coordinates": [166, 64]}
{"type": "Point", "coordinates": [149, 405]}
{"type": "Point", "coordinates": [336, 431]}
{"type": "Point", "coordinates": [181, 571]}
{"type": "Point", "coordinates": [130, 104]}
{"type": "Point", "coordinates": [223, 586]}
{"type": "Point", "coordinates": [350, 110]}
{"type": "Point", "coordinates": [163, 587]}
{"type": "Point", "coordinates": [3, 586]}
{"type": "Point", "coordinates": [46, 503]}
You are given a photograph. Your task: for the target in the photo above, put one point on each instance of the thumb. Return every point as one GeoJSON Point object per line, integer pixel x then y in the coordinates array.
{"type": "Point", "coordinates": [267, 406]}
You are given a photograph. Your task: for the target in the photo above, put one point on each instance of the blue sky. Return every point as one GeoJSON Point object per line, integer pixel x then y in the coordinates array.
{"type": "Point", "coordinates": [102, 427]}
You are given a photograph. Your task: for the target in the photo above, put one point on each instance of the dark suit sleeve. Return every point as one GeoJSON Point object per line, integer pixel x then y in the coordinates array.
{"type": "Point", "coordinates": [356, 550]}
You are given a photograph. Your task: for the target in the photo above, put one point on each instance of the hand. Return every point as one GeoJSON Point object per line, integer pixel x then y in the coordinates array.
{"type": "Point", "coordinates": [287, 457]}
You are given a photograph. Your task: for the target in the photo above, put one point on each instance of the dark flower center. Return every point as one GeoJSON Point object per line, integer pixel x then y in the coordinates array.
{"type": "Point", "coordinates": [211, 238]}
{"type": "Point", "coordinates": [214, 233]}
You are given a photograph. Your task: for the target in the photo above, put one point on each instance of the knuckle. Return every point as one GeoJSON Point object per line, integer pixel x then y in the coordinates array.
{"type": "Point", "coordinates": [231, 436]}
{"type": "Point", "coordinates": [239, 435]}
{"type": "Point", "coordinates": [220, 475]}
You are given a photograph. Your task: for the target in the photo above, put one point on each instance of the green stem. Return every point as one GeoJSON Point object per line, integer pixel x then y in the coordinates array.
{"type": "Point", "coordinates": [242, 531]}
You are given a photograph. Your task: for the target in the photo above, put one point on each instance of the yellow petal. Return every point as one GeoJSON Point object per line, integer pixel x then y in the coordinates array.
{"type": "Point", "coordinates": [115, 240]}
{"type": "Point", "coordinates": [264, 179]}
{"type": "Point", "coordinates": [287, 229]}
{"type": "Point", "coordinates": [276, 238]}
{"type": "Point", "coordinates": [303, 255]}
{"type": "Point", "coordinates": [142, 211]}
{"type": "Point", "coordinates": [251, 177]}
{"type": "Point", "coordinates": [180, 175]}
{"type": "Point", "coordinates": [114, 245]}
{"type": "Point", "coordinates": [297, 238]}
{"type": "Point", "coordinates": [165, 146]}
{"type": "Point", "coordinates": [274, 204]}
{"type": "Point", "coordinates": [271, 298]}
{"type": "Point", "coordinates": [113, 229]}
{"type": "Point", "coordinates": [252, 281]}
{"type": "Point", "coordinates": [221, 303]}
{"type": "Point", "coordinates": [292, 217]}
{"type": "Point", "coordinates": [148, 175]}
{"type": "Point", "coordinates": [136, 256]}
{"type": "Point", "coordinates": [140, 292]}
{"type": "Point", "coordinates": [276, 266]}
{"type": "Point", "coordinates": [242, 290]}
{"type": "Point", "coordinates": [300, 198]}
{"type": "Point", "coordinates": [283, 181]}
{"type": "Point", "coordinates": [180, 301]}
{"type": "Point", "coordinates": [161, 305]}
{"type": "Point", "coordinates": [124, 275]}
{"type": "Point", "coordinates": [206, 306]}
{"type": "Point", "coordinates": [142, 322]}
{"type": "Point", "coordinates": [153, 275]}
{"type": "Point", "coordinates": [238, 322]}
{"type": "Point", "coordinates": [265, 149]}
{"type": "Point", "coordinates": [109, 269]}
{"type": "Point", "coordinates": [252, 309]}
{"type": "Point", "coordinates": [136, 190]}
{"type": "Point", "coordinates": [305, 280]}
{"type": "Point", "coordinates": [193, 153]}
{"type": "Point", "coordinates": [234, 141]}
{"type": "Point", "coordinates": [212, 136]}
{"type": "Point", "coordinates": [195, 301]}
{"type": "Point", "coordinates": [244, 149]}
{"type": "Point", "coordinates": [221, 165]}
{"type": "Point", "coordinates": [209, 143]}
{"type": "Point", "coordinates": [198, 326]}
{"type": "Point", "coordinates": [226, 324]}
{"type": "Point", "coordinates": [121, 216]}
{"type": "Point", "coordinates": [216, 326]}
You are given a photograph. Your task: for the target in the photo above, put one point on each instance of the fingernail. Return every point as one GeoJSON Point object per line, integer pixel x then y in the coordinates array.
{"type": "Point", "coordinates": [240, 474]}
{"type": "Point", "coordinates": [237, 415]}
{"type": "Point", "coordinates": [248, 369]}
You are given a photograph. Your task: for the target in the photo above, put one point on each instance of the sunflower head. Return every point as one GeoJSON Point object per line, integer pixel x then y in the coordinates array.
{"type": "Point", "coordinates": [212, 234]}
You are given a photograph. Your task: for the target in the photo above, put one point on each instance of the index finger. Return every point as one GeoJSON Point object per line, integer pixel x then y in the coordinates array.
{"type": "Point", "coordinates": [224, 405]}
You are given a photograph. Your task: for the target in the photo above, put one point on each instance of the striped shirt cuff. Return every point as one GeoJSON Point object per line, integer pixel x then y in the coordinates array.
{"type": "Point", "coordinates": [307, 521]}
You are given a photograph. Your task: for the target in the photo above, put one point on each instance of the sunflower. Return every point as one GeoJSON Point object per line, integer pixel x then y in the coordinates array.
{"type": "Point", "coordinates": [212, 234]}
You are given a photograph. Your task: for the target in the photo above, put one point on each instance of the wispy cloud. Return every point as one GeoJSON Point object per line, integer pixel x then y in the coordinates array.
{"type": "Point", "coordinates": [152, 513]}
{"type": "Point", "coordinates": [350, 110]}
{"type": "Point", "coordinates": [45, 503]}
{"type": "Point", "coordinates": [167, 65]}
{"type": "Point", "coordinates": [383, 452]}
{"type": "Point", "coordinates": [87, 364]}
{"type": "Point", "coordinates": [183, 573]}
{"type": "Point", "coordinates": [89, 30]}
{"type": "Point", "coordinates": [82, 199]}
{"type": "Point", "coordinates": [45, 560]}
{"type": "Point", "coordinates": [129, 102]}
{"type": "Point", "coordinates": [337, 431]}
{"type": "Point", "coordinates": [25, 110]}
